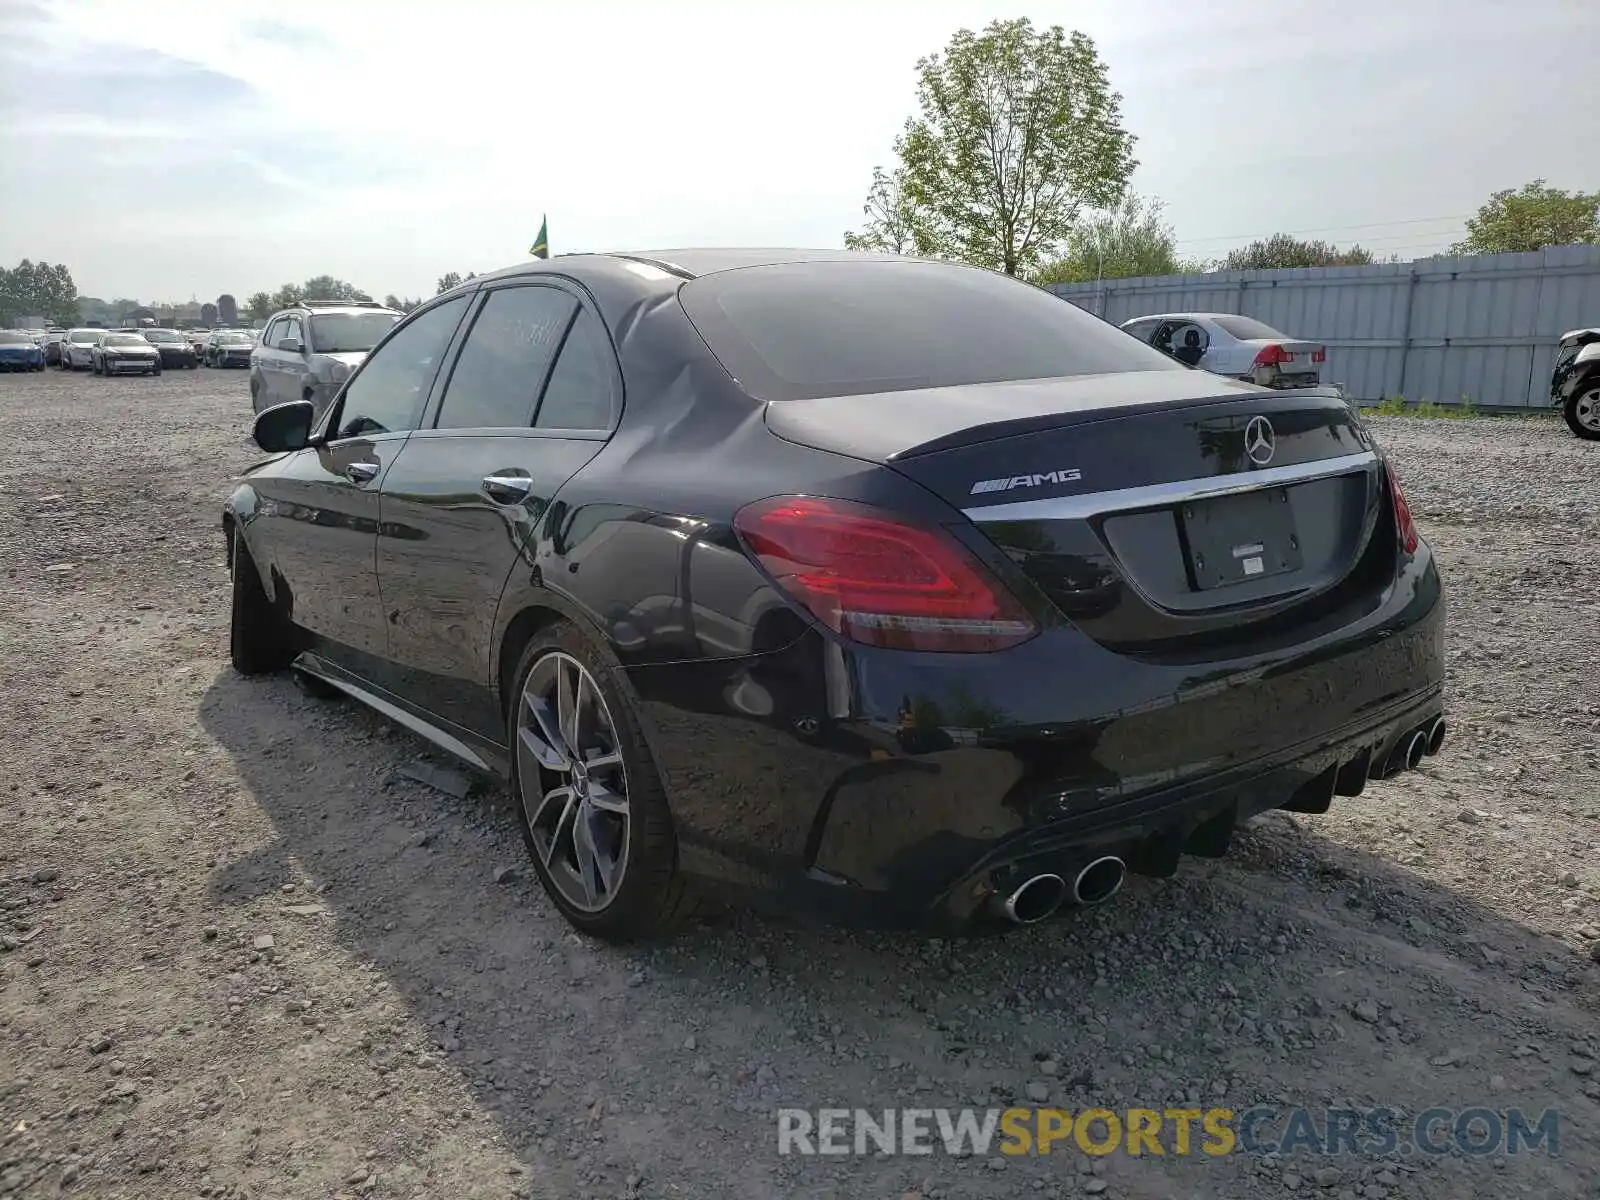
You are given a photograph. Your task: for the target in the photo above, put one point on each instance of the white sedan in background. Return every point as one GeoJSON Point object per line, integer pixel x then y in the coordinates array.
{"type": "Point", "coordinates": [77, 349]}
{"type": "Point", "coordinates": [1239, 347]}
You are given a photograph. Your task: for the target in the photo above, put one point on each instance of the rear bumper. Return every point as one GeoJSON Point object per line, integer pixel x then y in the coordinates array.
{"type": "Point", "coordinates": [894, 789]}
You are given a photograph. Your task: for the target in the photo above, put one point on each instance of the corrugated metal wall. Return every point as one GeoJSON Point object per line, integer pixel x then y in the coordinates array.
{"type": "Point", "coordinates": [1477, 328]}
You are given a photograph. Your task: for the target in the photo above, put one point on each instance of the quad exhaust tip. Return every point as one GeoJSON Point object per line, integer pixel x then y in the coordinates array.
{"type": "Point", "coordinates": [1100, 880]}
{"type": "Point", "coordinates": [1436, 736]}
{"type": "Point", "coordinates": [1039, 896]}
{"type": "Point", "coordinates": [1035, 899]}
{"type": "Point", "coordinates": [1415, 749]}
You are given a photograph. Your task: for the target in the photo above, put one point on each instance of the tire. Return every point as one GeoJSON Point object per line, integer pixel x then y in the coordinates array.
{"type": "Point", "coordinates": [259, 641]}
{"type": "Point", "coordinates": [1582, 410]}
{"type": "Point", "coordinates": [155, 372]}
{"type": "Point", "coordinates": [652, 895]}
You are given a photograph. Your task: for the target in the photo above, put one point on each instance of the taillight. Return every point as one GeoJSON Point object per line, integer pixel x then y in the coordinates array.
{"type": "Point", "coordinates": [1404, 527]}
{"type": "Point", "coordinates": [875, 579]}
{"type": "Point", "coordinates": [1273, 356]}
{"type": "Point", "coordinates": [1319, 355]}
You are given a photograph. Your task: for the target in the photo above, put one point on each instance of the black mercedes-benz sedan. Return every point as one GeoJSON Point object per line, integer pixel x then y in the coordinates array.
{"type": "Point", "coordinates": [879, 589]}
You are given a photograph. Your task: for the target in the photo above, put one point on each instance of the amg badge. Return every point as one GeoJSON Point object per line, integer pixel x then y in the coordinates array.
{"type": "Point", "coordinates": [1069, 475]}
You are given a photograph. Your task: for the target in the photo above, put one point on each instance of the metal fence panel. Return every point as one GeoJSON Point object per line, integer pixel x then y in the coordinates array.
{"type": "Point", "coordinates": [1478, 328]}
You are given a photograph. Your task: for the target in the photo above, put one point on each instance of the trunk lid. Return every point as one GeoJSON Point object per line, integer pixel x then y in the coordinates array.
{"type": "Point", "coordinates": [1173, 514]}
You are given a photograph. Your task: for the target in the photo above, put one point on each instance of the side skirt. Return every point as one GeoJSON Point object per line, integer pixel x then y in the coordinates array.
{"type": "Point", "coordinates": [476, 752]}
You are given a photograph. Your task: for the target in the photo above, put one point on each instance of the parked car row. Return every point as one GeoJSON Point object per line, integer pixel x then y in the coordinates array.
{"type": "Point", "coordinates": [92, 349]}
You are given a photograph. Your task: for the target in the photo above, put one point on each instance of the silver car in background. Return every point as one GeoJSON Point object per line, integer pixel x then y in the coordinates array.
{"type": "Point", "coordinates": [1235, 346]}
{"type": "Point", "coordinates": [77, 349]}
{"type": "Point", "coordinates": [119, 353]}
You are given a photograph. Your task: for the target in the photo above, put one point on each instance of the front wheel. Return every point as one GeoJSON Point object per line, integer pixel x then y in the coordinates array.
{"type": "Point", "coordinates": [1582, 411]}
{"type": "Point", "coordinates": [259, 640]}
{"type": "Point", "coordinates": [591, 806]}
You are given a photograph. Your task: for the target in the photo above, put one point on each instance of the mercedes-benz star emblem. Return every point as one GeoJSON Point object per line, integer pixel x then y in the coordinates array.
{"type": "Point", "coordinates": [1259, 441]}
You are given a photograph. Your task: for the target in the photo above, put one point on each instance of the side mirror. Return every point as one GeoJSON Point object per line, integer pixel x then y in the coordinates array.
{"type": "Point", "coordinates": [292, 345]}
{"type": "Point", "coordinates": [284, 428]}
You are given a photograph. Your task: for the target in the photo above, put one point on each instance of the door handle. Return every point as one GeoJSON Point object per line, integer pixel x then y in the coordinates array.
{"type": "Point", "coordinates": [504, 487]}
{"type": "Point", "coordinates": [361, 472]}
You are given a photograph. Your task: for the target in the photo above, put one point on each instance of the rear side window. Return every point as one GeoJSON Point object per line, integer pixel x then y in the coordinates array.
{"type": "Point", "coordinates": [1245, 329]}
{"type": "Point", "coordinates": [580, 394]}
{"type": "Point", "coordinates": [844, 328]}
{"type": "Point", "coordinates": [507, 355]}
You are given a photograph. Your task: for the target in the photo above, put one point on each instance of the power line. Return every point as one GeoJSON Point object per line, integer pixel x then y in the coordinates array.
{"type": "Point", "coordinates": [1245, 237]}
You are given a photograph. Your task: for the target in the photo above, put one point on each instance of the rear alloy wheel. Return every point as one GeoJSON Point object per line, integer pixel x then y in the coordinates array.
{"type": "Point", "coordinates": [592, 809]}
{"type": "Point", "coordinates": [1582, 411]}
{"type": "Point", "coordinates": [259, 641]}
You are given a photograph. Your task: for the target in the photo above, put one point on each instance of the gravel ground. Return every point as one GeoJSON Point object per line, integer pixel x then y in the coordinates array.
{"type": "Point", "coordinates": [241, 955]}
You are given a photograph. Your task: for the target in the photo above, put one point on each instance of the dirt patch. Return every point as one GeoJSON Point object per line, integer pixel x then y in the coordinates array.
{"type": "Point", "coordinates": [242, 954]}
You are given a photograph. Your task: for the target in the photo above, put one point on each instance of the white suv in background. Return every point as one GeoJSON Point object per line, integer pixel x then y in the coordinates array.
{"type": "Point", "coordinates": [307, 351]}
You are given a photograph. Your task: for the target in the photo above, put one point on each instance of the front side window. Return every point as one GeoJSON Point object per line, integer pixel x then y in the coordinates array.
{"type": "Point", "coordinates": [291, 331]}
{"type": "Point", "coordinates": [580, 392]}
{"type": "Point", "coordinates": [388, 394]}
{"type": "Point", "coordinates": [505, 359]}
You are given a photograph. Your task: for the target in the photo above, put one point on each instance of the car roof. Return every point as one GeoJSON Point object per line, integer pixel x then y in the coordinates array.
{"type": "Point", "coordinates": [682, 263]}
{"type": "Point", "coordinates": [315, 309]}
{"type": "Point", "coordinates": [1181, 316]}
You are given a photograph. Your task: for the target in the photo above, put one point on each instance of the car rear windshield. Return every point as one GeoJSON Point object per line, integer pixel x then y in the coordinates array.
{"type": "Point", "coordinates": [335, 333]}
{"type": "Point", "coordinates": [844, 328]}
{"type": "Point", "coordinates": [14, 339]}
{"type": "Point", "coordinates": [1245, 329]}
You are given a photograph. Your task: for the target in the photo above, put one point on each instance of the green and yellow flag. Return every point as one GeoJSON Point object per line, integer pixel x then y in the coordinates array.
{"type": "Point", "coordinates": [541, 244]}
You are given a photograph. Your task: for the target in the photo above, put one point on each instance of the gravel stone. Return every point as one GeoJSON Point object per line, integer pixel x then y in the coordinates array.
{"type": "Point", "coordinates": [455, 1036]}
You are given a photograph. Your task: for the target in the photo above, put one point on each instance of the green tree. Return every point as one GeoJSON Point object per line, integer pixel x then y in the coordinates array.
{"type": "Point", "coordinates": [894, 224]}
{"type": "Point", "coordinates": [287, 296]}
{"type": "Point", "coordinates": [1531, 219]}
{"type": "Point", "coordinates": [1285, 250]}
{"type": "Point", "coordinates": [1132, 239]}
{"type": "Point", "coordinates": [40, 289]}
{"type": "Point", "coordinates": [401, 303]}
{"type": "Point", "coordinates": [326, 287]}
{"type": "Point", "coordinates": [259, 305]}
{"type": "Point", "coordinates": [1017, 131]}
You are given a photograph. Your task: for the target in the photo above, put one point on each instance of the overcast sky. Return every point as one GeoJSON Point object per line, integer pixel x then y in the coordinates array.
{"type": "Point", "coordinates": [171, 150]}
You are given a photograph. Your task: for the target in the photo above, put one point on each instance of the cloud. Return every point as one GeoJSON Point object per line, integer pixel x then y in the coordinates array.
{"type": "Point", "coordinates": [387, 143]}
